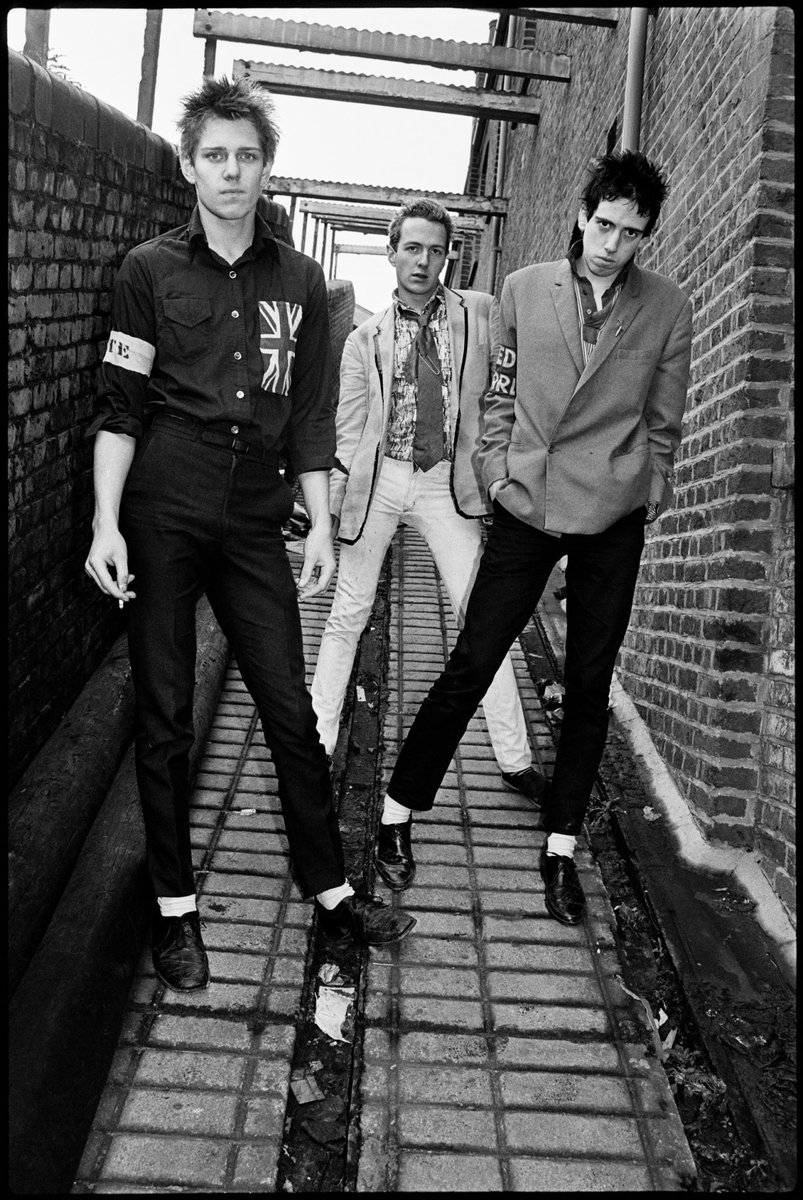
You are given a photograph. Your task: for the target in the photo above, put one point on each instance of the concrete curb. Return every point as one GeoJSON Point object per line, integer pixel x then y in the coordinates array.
{"type": "Point", "coordinates": [66, 1013]}
{"type": "Point", "coordinates": [691, 846]}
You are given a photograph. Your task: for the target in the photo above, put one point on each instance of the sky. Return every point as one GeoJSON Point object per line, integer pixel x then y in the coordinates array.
{"type": "Point", "coordinates": [342, 142]}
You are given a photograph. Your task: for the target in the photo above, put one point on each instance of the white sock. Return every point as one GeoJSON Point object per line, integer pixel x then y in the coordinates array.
{"type": "Point", "coordinates": [561, 843]}
{"type": "Point", "coordinates": [332, 896]}
{"type": "Point", "coordinates": [395, 814]}
{"type": "Point", "coordinates": [176, 906]}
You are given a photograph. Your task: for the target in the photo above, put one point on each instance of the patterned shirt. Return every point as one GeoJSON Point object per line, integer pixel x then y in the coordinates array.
{"type": "Point", "coordinates": [246, 342]}
{"type": "Point", "coordinates": [401, 427]}
{"type": "Point", "coordinates": [592, 320]}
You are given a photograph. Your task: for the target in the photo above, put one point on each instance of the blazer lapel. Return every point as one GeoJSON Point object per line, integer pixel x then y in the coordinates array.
{"type": "Point", "coordinates": [563, 298]}
{"type": "Point", "coordinates": [383, 354]}
{"type": "Point", "coordinates": [624, 310]}
{"type": "Point", "coordinates": [457, 319]}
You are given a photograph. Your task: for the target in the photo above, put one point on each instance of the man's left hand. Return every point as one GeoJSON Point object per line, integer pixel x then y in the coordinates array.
{"type": "Point", "coordinates": [319, 563]}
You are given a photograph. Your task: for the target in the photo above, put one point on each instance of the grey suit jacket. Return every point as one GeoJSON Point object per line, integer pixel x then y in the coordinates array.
{"type": "Point", "coordinates": [363, 410]}
{"type": "Point", "coordinates": [580, 446]}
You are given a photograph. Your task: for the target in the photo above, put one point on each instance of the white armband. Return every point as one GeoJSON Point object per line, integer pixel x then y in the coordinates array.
{"type": "Point", "coordinates": [131, 353]}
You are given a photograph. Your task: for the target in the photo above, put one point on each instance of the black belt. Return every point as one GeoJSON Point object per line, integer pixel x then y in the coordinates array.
{"type": "Point", "coordinates": [226, 434]}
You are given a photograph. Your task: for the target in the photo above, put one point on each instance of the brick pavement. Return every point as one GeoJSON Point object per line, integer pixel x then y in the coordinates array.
{"type": "Point", "coordinates": [499, 1051]}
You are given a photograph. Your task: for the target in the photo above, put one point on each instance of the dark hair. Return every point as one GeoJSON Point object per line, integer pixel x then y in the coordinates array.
{"type": "Point", "coordinates": [232, 100]}
{"type": "Point", "coordinates": [430, 210]}
{"type": "Point", "coordinates": [625, 175]}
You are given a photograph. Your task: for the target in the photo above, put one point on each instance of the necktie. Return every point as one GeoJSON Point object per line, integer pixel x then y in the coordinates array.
{"type": "Point", "coordinates": [428, 442]}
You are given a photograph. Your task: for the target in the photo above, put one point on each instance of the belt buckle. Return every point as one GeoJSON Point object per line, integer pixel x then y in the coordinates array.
{"type": "Point", "coordinates": [240, 446]}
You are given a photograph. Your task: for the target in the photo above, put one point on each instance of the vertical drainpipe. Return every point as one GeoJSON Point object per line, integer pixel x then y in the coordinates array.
{"type": "Point", "coordinates": [634, 82]}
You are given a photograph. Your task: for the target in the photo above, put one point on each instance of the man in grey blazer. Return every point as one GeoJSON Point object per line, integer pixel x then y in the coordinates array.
{"type": "Point", "coordinates": [412, 380]}
{"type": "Point", "coordinates": [581, 425]}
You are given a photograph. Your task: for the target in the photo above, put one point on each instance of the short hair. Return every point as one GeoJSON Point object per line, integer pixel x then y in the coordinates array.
{"type": "Point", "coordinates": [430, 210]}
{"type": "Point", "coordinates": [232, 100]}
{"type": "Point", "coordinates": [626, 175]}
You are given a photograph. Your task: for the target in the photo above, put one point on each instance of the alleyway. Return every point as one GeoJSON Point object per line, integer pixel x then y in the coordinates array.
{"type": "Point", "coordinates": [493, 1050]}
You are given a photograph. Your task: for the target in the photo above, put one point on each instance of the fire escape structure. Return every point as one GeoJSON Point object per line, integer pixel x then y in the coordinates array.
{"type": "Point", "coordinates": [503, 75]}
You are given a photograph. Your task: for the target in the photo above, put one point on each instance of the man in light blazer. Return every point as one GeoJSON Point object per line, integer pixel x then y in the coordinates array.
{"type": "Point", "coordinates": [581, 425]}
{"type": "Point", "coordinates": [412, 381]}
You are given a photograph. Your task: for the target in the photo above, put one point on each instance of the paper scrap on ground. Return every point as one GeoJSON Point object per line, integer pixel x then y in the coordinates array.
{"type": "Point", "coordinates": [334, 1011]}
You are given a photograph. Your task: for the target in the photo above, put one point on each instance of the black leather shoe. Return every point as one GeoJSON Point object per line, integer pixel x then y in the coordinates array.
{"type": "Point", "coordinates": [179, 957]}
{"type": "Point", "coordinates": [394, 856]}
{"type": "Point", "coordinates": [366, 918]}
{"type": "Point", "coordinates": [562, 891]}
{"type": "Point", "coordinates": [529, 783]}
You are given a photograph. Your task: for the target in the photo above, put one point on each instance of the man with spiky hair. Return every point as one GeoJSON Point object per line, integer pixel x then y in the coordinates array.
{"type": "Point", "coordinates": [581, 425]}
{"type": "Point", "coordinates": [412, 380]}
{"type": "Point", "coordinates": [217, 364]}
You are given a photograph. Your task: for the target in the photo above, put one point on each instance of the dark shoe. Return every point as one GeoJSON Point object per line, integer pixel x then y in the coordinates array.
{"type": "Point", "coordinates": [179, 957]}
{"type": "Point", "coordinates": [366, 918]}
{"type": "Point", "coordinates": [529, 783]}
{"type": "Point", "coordinates": [394, 856]}
{"type": "Point", "coordinates": [562, 891]}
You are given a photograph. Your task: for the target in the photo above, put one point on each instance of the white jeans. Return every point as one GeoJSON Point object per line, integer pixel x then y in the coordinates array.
{"type": "Point", "coordinates": [423, 501]}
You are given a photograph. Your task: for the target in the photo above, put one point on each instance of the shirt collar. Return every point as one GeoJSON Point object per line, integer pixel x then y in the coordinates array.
{"type": "Point", "coordinates": [573, 256]}
{"type": "Point", "coordinates": [430, 308]}
{"type": "Point", "coordinates": [263, 235]}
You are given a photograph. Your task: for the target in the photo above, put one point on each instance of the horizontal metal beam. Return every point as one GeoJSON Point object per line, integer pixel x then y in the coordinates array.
{"type": "Point", "coordinates": [343, 215]}
{"type": "Point", "coordinates": [363, 43]}
{"type": "Point", "coordinates": [278, 185]}
{"type": "Point", "coordinates": [393, 93]}
{"type": "Point", "coordinates": [574, 16]}
{"type": "Point", "coordinates": [349, 248]}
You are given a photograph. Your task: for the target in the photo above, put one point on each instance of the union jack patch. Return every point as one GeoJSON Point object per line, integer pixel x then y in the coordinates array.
{"type": "Point", "coordinates": [278, 328]}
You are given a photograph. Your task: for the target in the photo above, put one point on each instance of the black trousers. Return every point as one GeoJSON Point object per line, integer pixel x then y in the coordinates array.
{"type": "Point", "coordinates": [198, 517]}
{"type": "Point", "coordinates": [601, 577]}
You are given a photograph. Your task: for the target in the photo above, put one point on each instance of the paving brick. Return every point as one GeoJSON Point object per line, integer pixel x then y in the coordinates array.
{"type": "Point", "coordinates": [448, 1127]}
{"type": "Point", "coordinates": [447, 1084]}
{"type": "Point", "coordinates": [532, 1018]}
{"type": "Point", "coordinates": [190, 1068]}
{"type": "Point", "coordinates": [227, 883]}
{"type": "Point", "coordinates": [579, 1175]}
{"type": "Point", "coordinates": [265, 1117]}
{"type": "Point", "coordinates": [219, 935]}
{"type": "Point", "coordinates": [434, 950]}
{"type": "Point", "coordinates": [256, 1167]}
{"type": "Point", "coordinates": [434, 1010]}
{"type": "Point", "coordinates": [557, 1053]}
{"type": "Point", "coordinates": [272, 1075]}
{"type": "Point", "coordinates": [250, 864]}
{"type": "Point", "coordinates": [434, 923]}
{"type": "Point", "coordinates": [434, 1172]}
{"type": "Point", "coordinates": [563, 1132]}
{"type": "Point", "coordinates": [208, 1113]}
{"type": "Point", "coordinates": [170, 1160]}
{"type": "Point", "coordinates": [187, 1030]}
{"type": "Point", "coordinates": [222, 997]}
{"type": "Point", "coordinates": [537, 986]}
{"type": "Point", "coordinates": [565, 1091]}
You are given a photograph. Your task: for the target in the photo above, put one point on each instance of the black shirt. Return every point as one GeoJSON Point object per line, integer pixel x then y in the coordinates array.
{"type": "Point", "coordinates": [246, 342]}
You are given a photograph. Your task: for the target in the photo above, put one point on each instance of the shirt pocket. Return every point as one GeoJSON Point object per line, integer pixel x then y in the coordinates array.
{"type": "Point", "coordinates": [185, 328]}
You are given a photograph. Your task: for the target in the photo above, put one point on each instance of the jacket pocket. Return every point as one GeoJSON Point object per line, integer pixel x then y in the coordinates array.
{"type": "Point", "coordinates": [185, 327]}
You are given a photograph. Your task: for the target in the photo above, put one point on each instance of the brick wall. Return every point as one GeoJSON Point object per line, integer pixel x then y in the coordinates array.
{"type": "Point", "coordinates": [709, 656]}
{"type": "Point", "coordinates": [86, 184]}
{"type": "Point", "coordinates": [341, 322]}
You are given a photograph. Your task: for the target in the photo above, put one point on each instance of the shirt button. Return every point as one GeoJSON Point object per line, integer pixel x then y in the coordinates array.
{"type": "Point", "coordinates": [232, 274]}
{"type": "Point", "coordinates": [235, 428]}
{"type": "Point", "coordinates": [550, 449]}
{"type": "Point", "coordinates": [234, 312]}
{"type": "Point", "coordinates": [237, 355]}
{"type": "Point", "coordinates": [239, 395]}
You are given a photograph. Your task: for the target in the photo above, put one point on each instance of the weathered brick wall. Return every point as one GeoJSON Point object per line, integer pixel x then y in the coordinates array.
{"type": "Point", "coordinates": [709, 656]}
{"type": "Point", "coordinates": [86, 184]}
{"type": "Point", "coordinates": [341, 322]}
